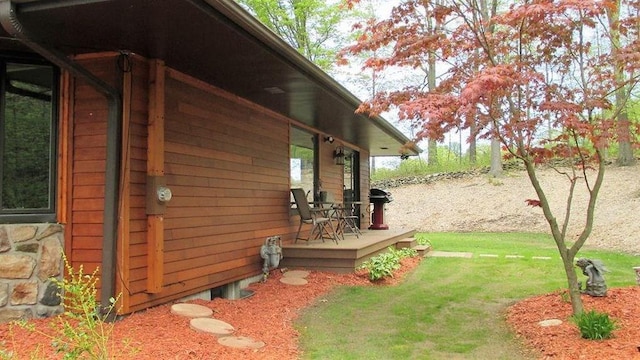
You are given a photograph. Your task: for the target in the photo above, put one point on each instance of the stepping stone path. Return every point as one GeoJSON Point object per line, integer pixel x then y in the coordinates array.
{"type": "Point", "coordinates": [212, 326]}
{"type": "Point", "coordinates": [202, 321]}
{"type": "Point", "coordinates": [295, 277]}
{"type": "Point", "coordinates": [240, 342]}
{"type": "Point", "coordinates": [436, 253]}
{"type": "Point", "coordinates": [550, 322]}
{"type": "Point", "coordinates": [191, 310]}
{"type": "Point", "coordinates": [454, 254]}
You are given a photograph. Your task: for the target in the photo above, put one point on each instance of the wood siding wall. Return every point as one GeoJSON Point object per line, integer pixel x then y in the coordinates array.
{"type": "Point", "coordinates": [88, 149]}
{"type": "Point", "coordinates": [227, 166]}
{"type": "Point", "coordinates": [226, 161]}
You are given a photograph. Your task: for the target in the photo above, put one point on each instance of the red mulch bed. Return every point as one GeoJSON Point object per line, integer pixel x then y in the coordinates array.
{"type": "Point", "coordinates": [564, 341]}
{"type": "Point", "coordinates": [268, 316]}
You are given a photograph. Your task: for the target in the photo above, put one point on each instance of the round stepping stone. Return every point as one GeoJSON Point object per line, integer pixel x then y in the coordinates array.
{"type": "Point", "coordinates": [294, 281]}
{"type": "Point", "coordinates": [296, 273]}
{"type": "Point", "coordinates": [240, 342]}
{"type": "Point", "coordinates": [212, 326]}
{"type": "Point", "coordinates": [191, 310]}
{"type": "Point", "coordinates": [550, 322]}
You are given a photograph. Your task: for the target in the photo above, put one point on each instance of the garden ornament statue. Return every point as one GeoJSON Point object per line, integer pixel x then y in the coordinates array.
{"type": "Point", "coordinates": [594, 270]}
{"type": "Point", "coordinates": [271, 252]}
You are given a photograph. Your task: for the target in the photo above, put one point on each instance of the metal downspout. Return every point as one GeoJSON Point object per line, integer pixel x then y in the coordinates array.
{"type": "Point", "coordinates": [9, 21]}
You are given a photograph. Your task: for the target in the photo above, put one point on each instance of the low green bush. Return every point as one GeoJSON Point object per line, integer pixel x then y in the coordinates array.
{"type": "Point", "coordinates": [383, 265]}
{"type": "Point", "coordinates": [84, 330]}
{"type": "Point", "coordinates": [594, 325]}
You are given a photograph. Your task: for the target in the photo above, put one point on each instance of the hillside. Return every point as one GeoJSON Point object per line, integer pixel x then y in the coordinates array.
{"type": "Point", "coordinates": [478, 203]}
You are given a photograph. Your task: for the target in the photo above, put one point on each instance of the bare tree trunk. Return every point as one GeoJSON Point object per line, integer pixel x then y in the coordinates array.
{"type": "Point", "coordinates": [473, 151]}
{"type": "Point", "coordinates": [496, 159]}
{"type": "Point", "coordinates": [432, 149]}
{"type": "Point", "coordinates": [625, 151]}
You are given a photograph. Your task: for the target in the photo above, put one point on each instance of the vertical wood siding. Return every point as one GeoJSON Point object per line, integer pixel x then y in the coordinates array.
{"type": "Point", "coordinates": [89, 114]}
{"type": "Point", "coordinates": [227, 166]}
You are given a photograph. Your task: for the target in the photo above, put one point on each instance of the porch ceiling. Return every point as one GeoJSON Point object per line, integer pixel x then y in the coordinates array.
{"type": "Point", "coordinates": [217, 42]}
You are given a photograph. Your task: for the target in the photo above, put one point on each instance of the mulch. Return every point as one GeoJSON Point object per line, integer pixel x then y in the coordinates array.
{"type": "Point", "coordinates": [564, 341]}
{"type": "Point", "coordinates": [268, 316]}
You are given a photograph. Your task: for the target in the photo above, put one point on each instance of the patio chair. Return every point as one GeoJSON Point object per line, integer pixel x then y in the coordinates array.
{"type": "Point", "coordinates": [317, 217]}
{"type": "Point", "coordinates": [343, 216]}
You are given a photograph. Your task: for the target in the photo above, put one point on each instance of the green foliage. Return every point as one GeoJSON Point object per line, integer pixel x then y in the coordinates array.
{"type": "Point", "coordinates": [448, 161]}
{"type": "Point", "coordinates": [422, 239]}
{"type": "Point", "coordinates": [594, 325]}
{"type": "Point", "coordinates": [383, 265]}
{"type": "Point", "coordinates": [308, 26]}
{"type": "Point", "coordinates": [83, 330]}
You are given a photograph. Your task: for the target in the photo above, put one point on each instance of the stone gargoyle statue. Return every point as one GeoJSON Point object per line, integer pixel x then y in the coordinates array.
{"type": "Point", "coordinates": [594, 270]}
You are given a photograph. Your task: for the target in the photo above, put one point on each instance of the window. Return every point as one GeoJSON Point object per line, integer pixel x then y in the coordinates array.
{"type": "Point", "coordinates": [28, 141]}
{"type": "Point", "coordinates": [303, 161]}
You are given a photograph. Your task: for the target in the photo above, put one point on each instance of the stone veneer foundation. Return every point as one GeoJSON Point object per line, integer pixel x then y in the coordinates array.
{"type": "Point", "coordinates": [30, 255]}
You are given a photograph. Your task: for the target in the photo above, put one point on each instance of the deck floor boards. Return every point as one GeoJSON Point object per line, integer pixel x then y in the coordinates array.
{"type": "Point", "coordinates": [345, 256]}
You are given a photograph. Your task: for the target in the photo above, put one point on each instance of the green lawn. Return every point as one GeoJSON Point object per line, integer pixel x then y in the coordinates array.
{"type": "Point", "coordinates": [448, 308]}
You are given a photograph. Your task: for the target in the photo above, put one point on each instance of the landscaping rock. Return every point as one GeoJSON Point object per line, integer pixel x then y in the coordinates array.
{"type": "Point", "coordinates": [191, 310]}
{"type": "Point", "coordinates": [241, 342]}
{"type": "Point", "coordinates": [211, 326]}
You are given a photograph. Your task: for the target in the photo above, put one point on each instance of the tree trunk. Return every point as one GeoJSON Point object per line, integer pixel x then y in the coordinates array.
{"type": "Point", "coordinates": [572, 281]}
{"type": "Point", "coordinates": [473, 155]}
{"type": "Point", "coordinates": [625, 151]}
{"type": "Point", "coordinates": [432, 149]}
{"type": "Point", "coordinates": [496, 159]}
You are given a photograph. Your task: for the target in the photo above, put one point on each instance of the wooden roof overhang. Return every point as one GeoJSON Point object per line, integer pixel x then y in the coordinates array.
{"type": "Point", "coordinates": [220, 43]}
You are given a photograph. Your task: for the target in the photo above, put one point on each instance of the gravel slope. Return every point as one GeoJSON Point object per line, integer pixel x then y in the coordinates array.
{"type": "Point", "coordinates": [478, 203]}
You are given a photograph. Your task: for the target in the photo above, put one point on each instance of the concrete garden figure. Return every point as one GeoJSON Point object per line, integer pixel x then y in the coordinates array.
{"type": "Point", "coordinates": [594, 270]}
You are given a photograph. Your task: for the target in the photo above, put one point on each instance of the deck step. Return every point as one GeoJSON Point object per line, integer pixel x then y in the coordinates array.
{"type": "Point", "coordinates": [406, 243]}
{"type": "Point", "coordinates": [422, 250]}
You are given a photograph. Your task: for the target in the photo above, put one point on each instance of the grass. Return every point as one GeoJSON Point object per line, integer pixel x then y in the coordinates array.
{"type": "Point", "coordinates": [448, 308]}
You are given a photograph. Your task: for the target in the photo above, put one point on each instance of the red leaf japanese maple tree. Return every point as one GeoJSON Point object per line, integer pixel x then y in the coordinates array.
{"type": "Point", "coordinates": [545, 77]}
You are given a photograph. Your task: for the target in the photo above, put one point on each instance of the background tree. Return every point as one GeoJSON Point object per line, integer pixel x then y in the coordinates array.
{"type": "Point", "coordinates": [625, 150]}
{"type": "Point", "coordinates": [527, 67]}
{"type": "Point", "coordinates": [310, 26]}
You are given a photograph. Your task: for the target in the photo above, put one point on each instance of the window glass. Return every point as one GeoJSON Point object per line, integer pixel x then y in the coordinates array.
{"type": "Point", "coordinates": [28, 139]}
{"type": "Point", "coordinates": [302, 161]}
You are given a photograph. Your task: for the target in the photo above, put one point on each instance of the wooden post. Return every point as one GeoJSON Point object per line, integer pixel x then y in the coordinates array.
{"type": "Point", "coordinates": [155, 168]}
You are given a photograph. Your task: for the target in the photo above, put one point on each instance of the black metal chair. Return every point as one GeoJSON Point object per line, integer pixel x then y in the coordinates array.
{"type": "Point", "coordinates": [320, 222]}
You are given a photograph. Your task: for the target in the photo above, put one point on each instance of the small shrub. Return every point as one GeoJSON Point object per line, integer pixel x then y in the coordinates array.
{"type": "Point", "coordinates": [422, 240]}
{"type": "Point", "coordinates": [82, 331]}
{"type": "Point", "coordinates": [594, 325]}
{"type": "Point", "coordinates": [383, 265]}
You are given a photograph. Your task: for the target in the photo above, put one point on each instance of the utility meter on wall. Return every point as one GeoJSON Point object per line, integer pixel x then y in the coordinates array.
{"type": "Point", "coordinates": [164, 194]}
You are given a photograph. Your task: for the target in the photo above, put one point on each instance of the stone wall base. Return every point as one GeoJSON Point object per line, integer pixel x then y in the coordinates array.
{"type": "Point", "coordinates": [30, 255]}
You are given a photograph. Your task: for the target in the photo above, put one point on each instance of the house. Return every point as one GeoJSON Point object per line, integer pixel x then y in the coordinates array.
{"type": "Point", "coordinates": [156, 141]}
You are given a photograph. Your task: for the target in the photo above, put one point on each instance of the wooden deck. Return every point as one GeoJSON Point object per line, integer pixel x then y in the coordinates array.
{"type": "Point", "coordinates": [348, 254]}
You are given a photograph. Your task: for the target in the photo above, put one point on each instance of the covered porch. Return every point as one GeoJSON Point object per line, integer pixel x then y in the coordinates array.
{"type": "Point", "coordinates": [347, 254]}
